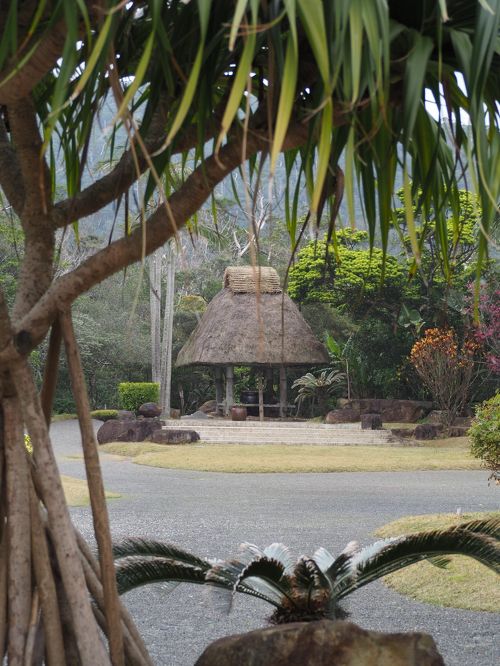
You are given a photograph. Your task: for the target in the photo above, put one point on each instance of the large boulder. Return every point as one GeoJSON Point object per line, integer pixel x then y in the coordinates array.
{"type": "Point", "coordinates": [342, 416]}
{"type": "Point", "coordinates": [174, 436]}
{"type": "Point", "coordinates": [137, 430]}
{"type": "Point", "coordinates": [371, 422]}
{"type": "Point", "coordinates": [427, 431]}
{"type": "Point", "coordinates": [403, 433]}
{"type": "Point", "coordinates": [457, 431]}
{"type": "Point", "coordinates": [391, 411]}
{"type": "Point", "coordinates": [125, 415]}
{"type": "Point", "coordinates": [324, 643]}
{"type": "Point", "coordinates": [149, 410]}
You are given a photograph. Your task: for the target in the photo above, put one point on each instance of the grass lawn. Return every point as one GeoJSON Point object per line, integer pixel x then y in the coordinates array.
{"type": "Point", "coordinates": [77, 492]}
{"type": "Point", "coordinates": [465, 583]}
{"type": "Point", "coordinates": [280, 458]}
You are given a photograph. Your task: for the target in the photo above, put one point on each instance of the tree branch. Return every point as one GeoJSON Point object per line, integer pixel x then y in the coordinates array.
{"type": "Point", "coordinates": [125, 173]}
{"type": "Point", "coordinates": [11, 180]}
{"type": "Point", "coordinates": [16, 83]}
{"type": "Point", "coordinates": [37, 268]}
{"type": "Point", "coordinates": [160, 226]}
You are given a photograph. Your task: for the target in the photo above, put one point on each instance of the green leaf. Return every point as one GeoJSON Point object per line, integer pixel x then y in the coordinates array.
{"type": "Point", "coordinates": [410, 220]}
{"type": "Point", "coordinates": [416, 67]}
{"type": "Point", "coordinates": [324, 144]}
{"type": "Point", "coordinates": [240, 82]}
{"type": "Point", "coordinates": [287, 98]}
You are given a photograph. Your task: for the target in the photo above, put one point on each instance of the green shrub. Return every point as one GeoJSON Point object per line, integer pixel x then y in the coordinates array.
{"type": "Point", "coordinates": [134, 394]}
{"type": "Point", "coordinates": [485, 435]}
{"type": "Point", "coordinates": [104, 414]}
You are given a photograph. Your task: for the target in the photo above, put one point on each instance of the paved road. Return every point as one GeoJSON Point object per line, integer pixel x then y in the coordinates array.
{"type": "Point", "coordinates": [212, 513]}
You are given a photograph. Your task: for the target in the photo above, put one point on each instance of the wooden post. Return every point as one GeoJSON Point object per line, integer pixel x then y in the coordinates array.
{"type": "Point", "coordinates": [218, 389]}
{"type": "Point", "coordinates": [260, 386]}
{"type": "Point", "coordinates": [269, 382]}
{"type": "Point", "coordinates": [283, 395]}
{"type": "Point", "coordinates": [229, 388]}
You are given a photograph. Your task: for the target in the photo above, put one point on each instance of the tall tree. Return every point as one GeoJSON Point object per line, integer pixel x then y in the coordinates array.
{"type": "Point", "coordinates": [225, 85]}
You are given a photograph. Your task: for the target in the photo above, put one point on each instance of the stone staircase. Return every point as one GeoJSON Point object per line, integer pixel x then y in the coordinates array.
{"type": "Point", "coordinates": [220, 431]}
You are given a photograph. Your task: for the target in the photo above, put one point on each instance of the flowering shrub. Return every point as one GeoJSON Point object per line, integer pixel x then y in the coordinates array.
{"type": "Point", "coordinates": [445, 368]}
{"type": "Point", "coordinates": [487, 330]}
{"type": "Point", "coordinates": [485, 435]}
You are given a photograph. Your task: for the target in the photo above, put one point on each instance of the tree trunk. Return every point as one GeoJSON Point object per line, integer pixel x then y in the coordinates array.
{"type": "Point", "coordinates": [155, 261]}
{"type": "Point", "coordinates": [168, 325]}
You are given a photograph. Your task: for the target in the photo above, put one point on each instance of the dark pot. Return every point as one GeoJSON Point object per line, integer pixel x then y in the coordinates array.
{"type": "Point", "coordinates": [250, 397]}
{"type": "Point", "coordinates": [238, 413]}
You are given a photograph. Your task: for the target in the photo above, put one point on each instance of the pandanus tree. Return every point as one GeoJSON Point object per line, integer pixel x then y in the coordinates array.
{"type": "Point", "coordinates": [224, 85]}
{"type": "Point", "coordinates": [312, 587]}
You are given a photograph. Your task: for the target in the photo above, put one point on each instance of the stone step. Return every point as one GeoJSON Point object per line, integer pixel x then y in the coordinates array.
{"type": "Point", "coordinates": [227, 432]}
{"type": "Point", "coordinates": [222, 423]}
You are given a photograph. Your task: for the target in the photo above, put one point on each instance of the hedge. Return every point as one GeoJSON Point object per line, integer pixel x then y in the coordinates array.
{"type": "Point", "coordinates": [485, 435]}
{"type": "Point", "coordinates": [104, 414]}
{"type": "Point", "coordinates": [134, 394]}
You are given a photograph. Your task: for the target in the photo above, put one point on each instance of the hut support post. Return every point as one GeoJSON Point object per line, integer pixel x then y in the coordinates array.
{"type": "Point", "coordinates": [218, 389]}
{"type": "Point", "coordinates": [229, 388]}
{"type": "Point", "coordinates": [283, 391]}
{"type": "Point", "coordinates": [260, 386]}
{"type": "Point", "coordinates": [269, 381]}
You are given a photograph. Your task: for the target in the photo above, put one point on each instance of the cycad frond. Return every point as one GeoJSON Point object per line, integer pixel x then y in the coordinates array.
{"type": "Point", "coordinates": [387, 556]}
{"type": "Point", "coordinates": [149, 547]}
{"type": "Point", "coordinates": [132, 572]}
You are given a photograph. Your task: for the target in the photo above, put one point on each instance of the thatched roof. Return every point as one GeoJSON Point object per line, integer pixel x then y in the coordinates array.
{"type": "Point", "coordinates": [250, 280]}
{"type": "Point", "coordinates": [245, 328]}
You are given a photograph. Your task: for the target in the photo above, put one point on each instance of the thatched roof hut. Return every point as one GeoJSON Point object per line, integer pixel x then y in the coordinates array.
{"type": "Point", "coordinates": [252, 322]}
{"type": "Point", "coordinates": [244, 325]}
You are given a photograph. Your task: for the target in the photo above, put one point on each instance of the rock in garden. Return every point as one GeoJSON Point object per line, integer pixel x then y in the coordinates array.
{"type": "Point", "coordinates": [457, 431]}
{"type": "Point", "coordinates": [342, 416]}
{"type": "Point", "coordinates": [208, 407]}
{"type": "Point", "coordinates": [137, 430]}
{"type": "Point", "coordinates": [427, 431]}
{"type": "Point", "coordinates": [125, 415]}
{"type": "Point", "coordinates": [391, 410]}
{"type": "Point", "coordinates": [150, 410]}
{"type": "Point", "coordinates": [403, 433]}
{"type": "Point", "coordinates": [371, 422]}
{"type": "Point", "coordinates": [436, 416]}
{"type": "Point", "coordinates": [173, 436]}
{"type": "Point", "coordinates": [195, 415]}
{"type": "Point", "coordinates": [322, 643]}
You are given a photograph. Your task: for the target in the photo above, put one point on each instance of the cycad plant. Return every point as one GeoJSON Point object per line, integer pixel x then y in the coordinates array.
{"type": "Point", "coordinates": [318, 388]}
{"type": "Point", "coordinates": [310, 588]}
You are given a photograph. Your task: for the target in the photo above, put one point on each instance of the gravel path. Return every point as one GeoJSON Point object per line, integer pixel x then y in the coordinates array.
{"type": "Point", "coordinates": [211, 513]}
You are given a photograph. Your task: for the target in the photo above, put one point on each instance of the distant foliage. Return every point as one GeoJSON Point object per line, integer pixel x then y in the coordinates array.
{"type": "Point", "coordinates": [134, 394]}
{"type": "Point", "coordinates": [348, 277]}
{"type": "Point", "coordinates": [446, 368]}
{"type": "Point", "coordinates": [485, 435]}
